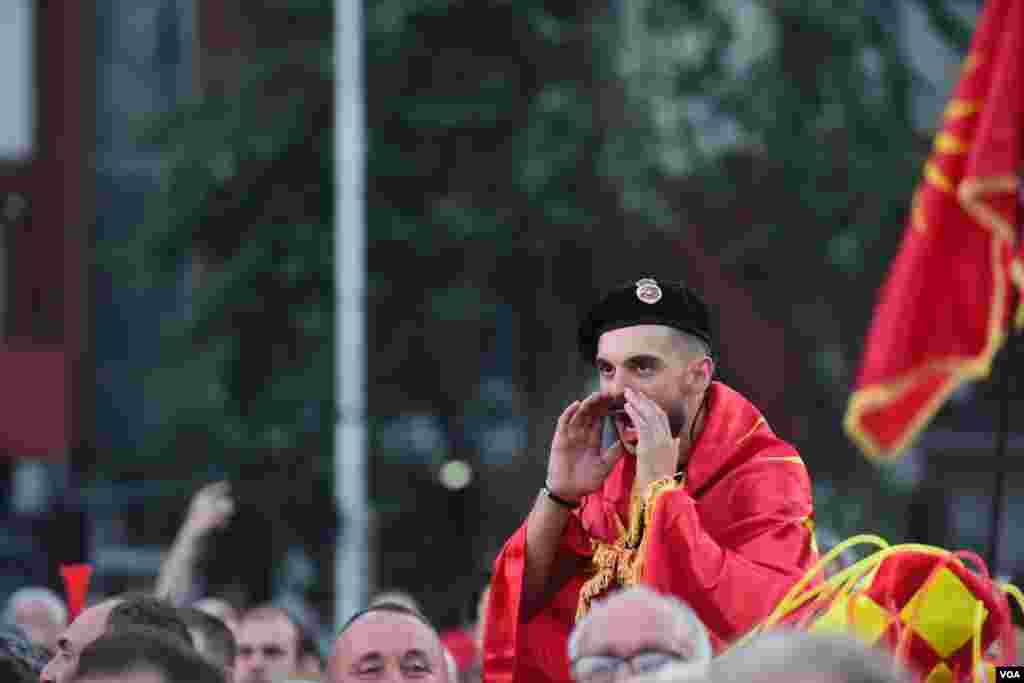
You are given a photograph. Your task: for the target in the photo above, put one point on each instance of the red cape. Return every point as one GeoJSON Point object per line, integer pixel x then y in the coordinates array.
{"type": "Point", "coordinates": [730, 541]}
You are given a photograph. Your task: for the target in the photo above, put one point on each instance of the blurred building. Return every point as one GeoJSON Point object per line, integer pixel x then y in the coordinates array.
{"type": "Point", "coordinates": [82, 83]}
{"type": "Point", "coordinates": [45, 232]}
{"type": "Point", "coordinates": [79, 81]}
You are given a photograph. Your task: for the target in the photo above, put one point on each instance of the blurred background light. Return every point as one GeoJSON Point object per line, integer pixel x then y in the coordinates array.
{"type": "Point", "coordinates": [456, 475]}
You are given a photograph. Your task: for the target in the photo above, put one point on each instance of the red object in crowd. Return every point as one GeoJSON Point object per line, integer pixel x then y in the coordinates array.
{"type": "Point", "coordinates": [76, 586]}
{"type": "Point", "coordinates": [460, 643]}
{"type": "Point", "coordinates": [944, 311]}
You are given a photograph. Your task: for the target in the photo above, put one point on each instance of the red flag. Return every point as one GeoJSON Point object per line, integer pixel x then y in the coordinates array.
{"type": "Point", "coordinates": [945, 308]}
{"type": "Point", "coordinates": [76, 587]}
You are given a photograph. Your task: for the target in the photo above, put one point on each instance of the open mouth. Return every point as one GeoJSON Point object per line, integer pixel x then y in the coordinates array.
{"type": "Point", "coordinates": [624, 425]}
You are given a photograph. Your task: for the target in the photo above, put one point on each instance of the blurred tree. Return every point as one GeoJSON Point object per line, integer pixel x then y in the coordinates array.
{"type": "Point", "coordinates": [485, 194]}
{"type": "Point", "coordinates": [243, 218]}
{"type": "Point", "coordinates": [522, 156]}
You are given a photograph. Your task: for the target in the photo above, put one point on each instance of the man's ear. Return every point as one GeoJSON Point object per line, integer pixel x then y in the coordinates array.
{"type": "Point", "coordinates": [704, 372]}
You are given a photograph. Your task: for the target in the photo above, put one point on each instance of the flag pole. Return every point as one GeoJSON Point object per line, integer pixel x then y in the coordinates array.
{"type": "Point", "coordinates": [352, 564]}
{"type": "Point", "coordinates": [1002, 442]}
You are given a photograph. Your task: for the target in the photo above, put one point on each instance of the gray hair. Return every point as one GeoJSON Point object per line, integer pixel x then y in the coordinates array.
{"type": "Point", "coordinates": [58, 610]}
{"type": "Point", "coordinates": [784, 654]}
{"type": "Point", "coordinates": [688, 624]}
{"type": "Point", "coordinates": [15, 645]}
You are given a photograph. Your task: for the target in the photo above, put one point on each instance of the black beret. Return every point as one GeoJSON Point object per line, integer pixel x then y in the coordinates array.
{"type": "Point", "coordinates": [645, 302]}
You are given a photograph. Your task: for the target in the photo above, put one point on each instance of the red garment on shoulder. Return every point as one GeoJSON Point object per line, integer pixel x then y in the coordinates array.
{"type": "Point", "coordinates": [460, 643]}
{"type": "Point", "coordinates": [730, 542]}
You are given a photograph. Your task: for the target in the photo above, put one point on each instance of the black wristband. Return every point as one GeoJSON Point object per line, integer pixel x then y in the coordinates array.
{"type": "Point", "coordinates": [568, 504]}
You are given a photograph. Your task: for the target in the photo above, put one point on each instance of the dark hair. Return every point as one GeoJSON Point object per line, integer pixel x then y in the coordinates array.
{"type": "Point", "coordinates": [15, 647]}
{"type": "Point", "coordinates": [219, 644]}
{"type": "Point", "coordinates": [393, 607]}
{"type": "Point", "coordinates": [147, 649]}
{"type": "Point", "coordinates": [16, 671]}
{"type": "Point", "coordinates": [149, 612]}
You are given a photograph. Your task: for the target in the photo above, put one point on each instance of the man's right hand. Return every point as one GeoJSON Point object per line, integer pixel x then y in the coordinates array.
{"type": "Point", "coordinates": [577, 466]}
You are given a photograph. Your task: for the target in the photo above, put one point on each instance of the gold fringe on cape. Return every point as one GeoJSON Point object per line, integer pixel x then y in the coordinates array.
{"type": "Point", "coordinates": [621, 563]}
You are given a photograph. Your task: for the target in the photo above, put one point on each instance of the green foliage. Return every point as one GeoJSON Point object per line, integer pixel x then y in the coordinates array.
{"type": "Point", "coordinates": [947, 23]}
{"type": "Point", "coordinates": [482, 149]}
{"type": "Point", "coordinates": [245, 197]}
{"type": "Point", "coordinates": [792, 122]}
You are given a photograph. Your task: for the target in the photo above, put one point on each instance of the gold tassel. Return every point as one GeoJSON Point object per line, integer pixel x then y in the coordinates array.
{"type": "Point", "coordinates": [654, 491]}
{"type": "Point", "coordinates": [621, 563]}
{"type": "Point", "coordinates": [609, 560]}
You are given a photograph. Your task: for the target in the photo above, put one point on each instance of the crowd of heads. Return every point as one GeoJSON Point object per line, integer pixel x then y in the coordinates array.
{"type": "Point", "coordinates": [139, 638]}
{"type": "Point", "coordinates": [635, 634]}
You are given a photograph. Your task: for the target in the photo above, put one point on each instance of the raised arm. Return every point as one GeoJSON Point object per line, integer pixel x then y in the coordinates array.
{"type": "Point", "coordinates": [211, 508]}
{"type": "Point", "coordinates": [576, 467]}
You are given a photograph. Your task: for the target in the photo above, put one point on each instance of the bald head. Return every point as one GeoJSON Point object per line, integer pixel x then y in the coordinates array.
{"type": "Point", "coordinates": [638, 620]}
{"type": "Point", "coordinates": [40, 613]}
{"type": "Point", "coordinates": [87, 627]}
{"type": "Point", "coordinates": [385, 641]}
{"type": "Point", "coordinates": [396, 597]}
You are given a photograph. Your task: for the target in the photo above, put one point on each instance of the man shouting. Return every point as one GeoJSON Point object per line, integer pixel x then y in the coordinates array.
{"type": "Point", "coordinates": [697, 498]}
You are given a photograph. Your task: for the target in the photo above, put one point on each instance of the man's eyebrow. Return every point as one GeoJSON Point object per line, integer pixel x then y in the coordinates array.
{"type": "Point", "coordinates": [416, 655]}
{"type": "Point", "coordinates": [370, 655]}
{"type": "Point", "coordinates": [643, 357]}
{"type": "Point", "coordinates": [652, 355]}
{"type": "Point", "coordinates": [635, 358]}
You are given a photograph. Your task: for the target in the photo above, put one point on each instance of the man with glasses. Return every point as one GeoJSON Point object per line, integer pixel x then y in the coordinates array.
{"type": "Point", "coordinates": [697, 498]}
{"type": "Point", "coordinates": [637, 632]}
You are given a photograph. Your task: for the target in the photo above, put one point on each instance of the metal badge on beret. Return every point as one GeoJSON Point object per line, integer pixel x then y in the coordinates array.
{"type": "Point", "coordinates": [648, 291]}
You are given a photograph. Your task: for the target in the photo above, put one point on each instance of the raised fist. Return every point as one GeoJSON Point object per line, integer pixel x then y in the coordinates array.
{"type": "Point", "coordinates": [211, 508]}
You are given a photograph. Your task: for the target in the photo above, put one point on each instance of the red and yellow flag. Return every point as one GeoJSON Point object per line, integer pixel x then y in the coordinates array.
{"type": "Point", "coordinates": [946, 306]}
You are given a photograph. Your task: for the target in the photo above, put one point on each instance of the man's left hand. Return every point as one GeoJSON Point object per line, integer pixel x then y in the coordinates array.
{"type": "Point", "coordinates": [657, 454]}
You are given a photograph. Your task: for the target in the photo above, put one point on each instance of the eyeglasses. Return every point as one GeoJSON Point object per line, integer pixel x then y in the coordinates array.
{"type": "Point", "coordinates": [602, 668]}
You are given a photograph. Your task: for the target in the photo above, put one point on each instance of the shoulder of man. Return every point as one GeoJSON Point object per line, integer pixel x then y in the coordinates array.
{"type": "Point", "coordinates": [736, 437]}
